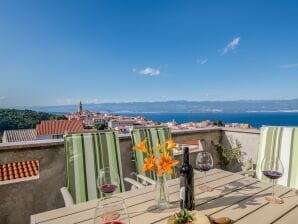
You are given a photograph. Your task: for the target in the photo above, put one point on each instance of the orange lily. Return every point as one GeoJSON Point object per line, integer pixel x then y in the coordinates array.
{"type": "Point", "coordinates": [170, 144]}
{"type": "Point", "coordinates": [142, 146]}
{"type": "Point", "coordinates": [149, 163]}
{"type": "Point", "coordinates": [166, 163]}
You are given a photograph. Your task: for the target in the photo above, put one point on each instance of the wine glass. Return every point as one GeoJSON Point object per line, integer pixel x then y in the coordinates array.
{"type": "Point", "coordinates": [204, 162]}
{"type": "Point", "coordinates": [111, 210]}
{"type": "Point", "coordinates": [107, 181]}
{"type": "Point", "coordinates": [273, 169]}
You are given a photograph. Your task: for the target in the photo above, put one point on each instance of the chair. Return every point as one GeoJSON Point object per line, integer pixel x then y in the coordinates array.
{"type": "Point", "coordinates": [68, 201]}
{"type": "Point", "coordinates": [86, 153]}
{"type": "Point", "coordinates": [281, 141]}
{"type": "Point", "coordinates": [154, 135]}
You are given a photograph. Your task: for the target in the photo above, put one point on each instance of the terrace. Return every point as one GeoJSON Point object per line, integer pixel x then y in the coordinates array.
{"type": "Point", "coordinates": [21, 199]}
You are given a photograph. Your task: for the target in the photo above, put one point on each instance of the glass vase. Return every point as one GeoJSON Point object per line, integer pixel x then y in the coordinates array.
{"type": "Point", "coordinates": [162, 193]}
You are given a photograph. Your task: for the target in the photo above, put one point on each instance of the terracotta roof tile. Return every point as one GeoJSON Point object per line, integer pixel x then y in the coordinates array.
{"type": "Point", "coordinates": [11, 171]}
{"type": "Point", "coordinates": [59, 127]}
{"type": "Point", "coordinates": [190, 142]}
{"type": "Point", "coordinates": [19, 135]}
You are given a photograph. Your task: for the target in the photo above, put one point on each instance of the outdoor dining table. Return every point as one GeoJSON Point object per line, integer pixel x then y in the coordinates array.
{"type": "Point", "coordinates": [235, 196]}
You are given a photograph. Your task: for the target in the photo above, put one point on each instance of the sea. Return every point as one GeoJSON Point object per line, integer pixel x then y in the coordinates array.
{"type": "Point", "coordinates": [255, 119]}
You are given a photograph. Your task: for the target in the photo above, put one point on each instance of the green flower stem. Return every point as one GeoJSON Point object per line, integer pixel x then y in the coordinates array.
{"type": "Point", "coordinates": [161, 191]}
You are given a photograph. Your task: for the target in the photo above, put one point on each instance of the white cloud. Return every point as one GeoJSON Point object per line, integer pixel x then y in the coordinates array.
{"type": "Point", "coordinates": [232, 45]}
{"type": "Point", "coordinates": [148, 71]}
{"type": "Point", "coordinates": [202, 61]}
{"type": "Point", "coordinates": [2, 97]}
{"type": "Point", "coordinates": [294, 65]}
{"type": "Point", "coordinates": [134, 70]}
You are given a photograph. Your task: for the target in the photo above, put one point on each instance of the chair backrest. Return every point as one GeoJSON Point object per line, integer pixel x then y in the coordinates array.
{"type": "Point", "coordinates": [87, 153]}
{"type": "Point", "coordinates": [282, 142]}
{"type": "Point", "coordinates": [154, 135]}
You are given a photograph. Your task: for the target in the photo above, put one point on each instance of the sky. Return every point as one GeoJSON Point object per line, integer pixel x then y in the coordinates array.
{"type": "Point", "coordinates": [60, 52]}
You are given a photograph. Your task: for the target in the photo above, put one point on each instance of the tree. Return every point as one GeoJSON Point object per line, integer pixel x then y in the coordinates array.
{"type": "Point", "coordinates": [100, 126]}
{"type": "Point", "coordinates": [23, 119]}
{"type": "Point", "coordinates": [57, 117]}
{"type": "Point", "coordinates": [219, 123]}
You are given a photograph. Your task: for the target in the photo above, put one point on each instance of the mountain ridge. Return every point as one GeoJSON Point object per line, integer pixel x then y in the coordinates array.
{"type": "Point", "coordinates": [180, 106]}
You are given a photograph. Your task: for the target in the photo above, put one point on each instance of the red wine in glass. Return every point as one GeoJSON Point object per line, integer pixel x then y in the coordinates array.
{"type": "Point", "coordinates": [108, 181]}
{"type": "Point", "coordinates": [272, 174]}
{"type": "Point", "coordinates": [108, 188]}
{"type": "Point", "coordinates": [272, 168]}
{"type": "Point", "coordinates": [204, 167]}
{"type": "Point", "coordinates": [114, 222]}
{"type": "Point", "coordinates": [204, 162]}
{"type": "Point", "coordinates": [111, 210]}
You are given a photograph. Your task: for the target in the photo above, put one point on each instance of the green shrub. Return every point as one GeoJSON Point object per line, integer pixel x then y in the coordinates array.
{"type": "Point", "coordinates": [226, 155]}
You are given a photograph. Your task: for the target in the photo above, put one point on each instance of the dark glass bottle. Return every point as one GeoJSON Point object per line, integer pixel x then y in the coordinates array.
{"type": "Point", "coordinates": [186, 183]}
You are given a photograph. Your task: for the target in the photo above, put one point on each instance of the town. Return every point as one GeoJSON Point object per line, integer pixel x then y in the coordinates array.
{"type": "Point", "coordinates": [84, 120]}
{"type": "Point", "coordinates": [124, 124]}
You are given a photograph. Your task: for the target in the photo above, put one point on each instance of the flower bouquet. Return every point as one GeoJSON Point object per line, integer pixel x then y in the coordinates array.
{"type": "Point", "coordinates": [159, 160]}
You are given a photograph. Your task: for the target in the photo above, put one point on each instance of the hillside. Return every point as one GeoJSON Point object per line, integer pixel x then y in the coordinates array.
{"type": "Point", "coordinates": [23, 119]}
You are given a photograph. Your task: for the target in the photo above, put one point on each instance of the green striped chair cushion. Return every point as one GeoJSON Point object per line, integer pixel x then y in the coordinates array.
{"type": "Point", "coordinates": [282, 142]}
{"type": "Point", "coordinates": [86, 154]}
{"type": "Point", "coordinates": [154, 135]}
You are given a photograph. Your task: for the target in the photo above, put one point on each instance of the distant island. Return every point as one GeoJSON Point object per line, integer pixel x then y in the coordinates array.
{"type": "Point", "coordinates": [239, 106]}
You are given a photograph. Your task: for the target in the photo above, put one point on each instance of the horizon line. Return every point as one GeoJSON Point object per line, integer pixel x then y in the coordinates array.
{"type": "Point", "coordinates": [127, 102]}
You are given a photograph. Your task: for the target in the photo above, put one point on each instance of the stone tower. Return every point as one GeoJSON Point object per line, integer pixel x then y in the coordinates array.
{"type": "Point", "coordinates": [80, 107]}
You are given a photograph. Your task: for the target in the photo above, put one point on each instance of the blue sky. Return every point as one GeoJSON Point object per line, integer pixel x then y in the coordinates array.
{"type": "Point", "coordinates": [59, 52]}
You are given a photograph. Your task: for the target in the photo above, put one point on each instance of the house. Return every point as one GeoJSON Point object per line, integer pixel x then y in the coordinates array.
{"type": "Point", "coordinates": [120, 122]}
{"type": "Point", "coordinates": [55, 129]}
{"type": "Point", "coordinates": [19, 135]}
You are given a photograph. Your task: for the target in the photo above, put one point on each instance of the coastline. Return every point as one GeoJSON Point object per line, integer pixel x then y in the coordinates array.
{"type": "Point", "coordinates": [256, 120]}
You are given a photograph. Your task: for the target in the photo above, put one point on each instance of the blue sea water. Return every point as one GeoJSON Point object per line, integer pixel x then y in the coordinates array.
{"type": "Point", "coordinates": [254, 119]}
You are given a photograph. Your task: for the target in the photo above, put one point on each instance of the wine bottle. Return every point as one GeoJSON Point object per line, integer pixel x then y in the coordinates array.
{"type": "Point", "coordinates": [186, 183]}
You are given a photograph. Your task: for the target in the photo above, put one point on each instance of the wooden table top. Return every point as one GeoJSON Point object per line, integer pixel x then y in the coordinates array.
{"type": "Point", "coordinates": [235, 196]}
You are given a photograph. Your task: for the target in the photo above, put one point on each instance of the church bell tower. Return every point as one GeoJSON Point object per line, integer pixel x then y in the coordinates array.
{"type": "Point", "coordinates": [80, 107]}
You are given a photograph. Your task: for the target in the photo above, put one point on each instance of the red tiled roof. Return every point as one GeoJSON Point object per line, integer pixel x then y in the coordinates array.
{"type": "Point", "coordinates": [19, 135]}
{"type": "Point", "coordinates": [59, 127]}
{"type": "Point", "coordinates": [190, 142]}
{"type": "Point", "coordinates": [11, 171]}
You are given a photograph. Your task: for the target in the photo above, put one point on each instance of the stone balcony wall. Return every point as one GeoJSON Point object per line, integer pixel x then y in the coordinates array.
{"type": "Point", "coordinates": [249, 140]}
{"type": "Point", "coordinates": [20, 200]}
